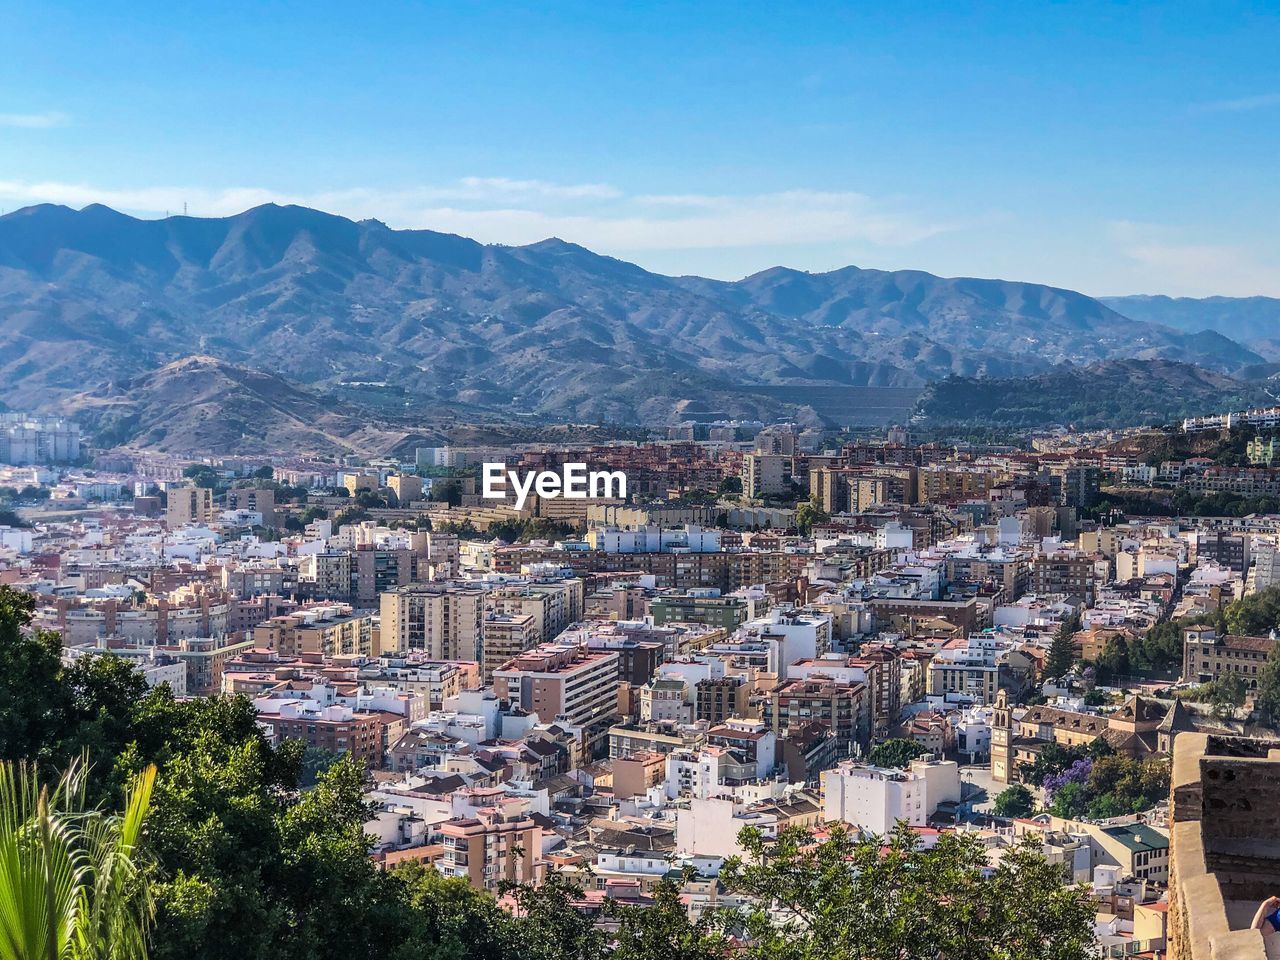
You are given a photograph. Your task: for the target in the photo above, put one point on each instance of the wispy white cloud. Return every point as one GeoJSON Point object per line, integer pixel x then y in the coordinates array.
{"type": "Point", "coordinates": [1239, 104]}
{"type": "Point", "coordinates": [34, 121]}
{"type": "Point", "coordinates": [1162, 261]}
{"type": "Point", "coordinates": [514, 211]}
{"type": "Point", "coordinates": [575, 191]}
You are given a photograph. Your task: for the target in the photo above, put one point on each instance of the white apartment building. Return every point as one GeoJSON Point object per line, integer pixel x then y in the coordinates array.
{"type": "Point", "coordinates": [666, 698]}
{"type": "Point", "coordinates": [654, 539]}
{"type": "Point", "coordinates": [874, 799]}
{"type": "Point", "coordinates": [1266, 563]}
{"type": "Point", "coordinates": [695, 773]}
{"type": "Point", "coordinates": [709, 826]}
{"type": "Point", "coordinates": [972, 667]}
{"type": "Point", "coordinates": [789, 636]}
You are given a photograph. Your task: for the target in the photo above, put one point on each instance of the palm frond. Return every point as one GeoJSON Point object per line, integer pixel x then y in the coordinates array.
{"type": "Point", "coordinates": [71, 885]}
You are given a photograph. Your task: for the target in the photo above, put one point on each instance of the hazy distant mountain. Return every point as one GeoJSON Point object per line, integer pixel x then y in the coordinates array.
{"type": "Point", "coordinates": [1109, 393]}
{"type": "Point", "coordinates": [205, 405]}
{"type": "Point", "coordinates": [1251, 320]}
{"type": "Point", "coordinates": [92, 297]}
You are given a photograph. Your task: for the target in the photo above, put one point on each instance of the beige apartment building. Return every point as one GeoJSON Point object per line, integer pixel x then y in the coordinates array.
{"type": "Point", "coordinates": [355, 482]}
{"type": "Point", "coordinates": [661, 737]}
{"type": "Point", "coordinates": [553, 604]}
{"type": "Point", "coordinates": [767, 475]}
{"type": "Point", "coordinates": [855, 489]}
{"type": "Point", "coordinates": [506, 636]}
{"type": "Point", "coordinates": [1065, 571]}
{"type": "Point", "coordinates": [255, 500]}
{"type": "Point", "coordinates": [326, 575]}
{"type": "Point", "coordinates": [445, 621]}
{"type": "Point", "coordinates": [331, 631]}
{"type": "Point", "coordinates": [564, 681]}
{"type": "Point", "coordinates": [406, 487]}
{"type": "Point", "coordinates": [188, 504]}
{"type": "Point", "coordinates": [949, 484]}
{"type": "Point", "coordinates": [205, 659]}
{"type": "Point", "coordinates": [492, 847]}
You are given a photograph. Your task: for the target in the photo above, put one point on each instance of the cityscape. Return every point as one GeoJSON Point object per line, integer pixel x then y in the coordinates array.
{"type": "Point", "coordinates": [449, 587]}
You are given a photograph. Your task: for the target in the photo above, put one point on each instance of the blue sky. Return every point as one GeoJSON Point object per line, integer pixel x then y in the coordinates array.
{"type": "Point", "coordinates": [1112, 148]}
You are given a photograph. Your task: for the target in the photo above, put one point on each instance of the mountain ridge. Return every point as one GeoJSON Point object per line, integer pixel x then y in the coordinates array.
{"type": "Point", "coordinates": [203, 405]}
{"type": "Point", "coordinates": [550, 329]}
{"type": "Point", "coordinates": [1254, 321]}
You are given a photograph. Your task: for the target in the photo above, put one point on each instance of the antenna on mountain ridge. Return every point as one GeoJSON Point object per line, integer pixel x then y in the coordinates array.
{"type": "Point", "coordinates": [184, 208]}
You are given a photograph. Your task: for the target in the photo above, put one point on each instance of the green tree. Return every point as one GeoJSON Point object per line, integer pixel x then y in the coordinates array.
{"type": "Point", "coordinates": [808, 514]}
{"type": "Point", "coordinates": [731, 486]}
{"type": "Point", "coordinates": [72, 882]}
{"type": "Point", "coordinates": [1099, 748]}
{"type": "Point", "coordinates": [350, 515]}
{"type": "Point", "coordinates": [551, 927]}
{"type": "Point", "coordinates": [10, 519]}
{"type": "Point", "coordinates": [1267, 700]}
{"type": "Point", "coordinates": [202, 475]}
{"type": "Point", "coordinates": [1052, 759]}
{"type": "Point", "coordinates": [1014, 801]}
{"type": "Point", "coordinates": [1127, 785]}
{"type": "Point", "coordinates": [1226, 694]}
{"type": "Point", "coordinates": [104, 694]}
{"type": "Point", "coordinates": [447, 491]}
{"type": "Point", "coordinates": [1113, 663]}
{"type": "Point", "coordinates": [445, 918]}
{"type": "Point", "coordinates": [35, 706]}
{"type": "Point", "coordinates": [1254, 615]}
{"type": "Point", "coordinates": [897, 752]}
{"type": "Point", "coordinates": [1160, 650]}
{"type": "Point", "coordinates": [1070, 801]}
{"type": "Point", "coordinates": [662, 930]}
{"type": "Point", "coordinates": [1061, 651]}
{"type": "Point", "coordinates": [698, 496]}
{"type": "Point", "coordinates": [849, 898]}
{"type": "Point", "coordinates": [316, 761]}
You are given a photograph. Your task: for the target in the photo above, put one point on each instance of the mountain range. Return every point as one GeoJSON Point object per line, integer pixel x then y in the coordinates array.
{"type": "Point", "coordinates": [96, 305]}
{"type": "Point", "coordinates": [1252, 321]}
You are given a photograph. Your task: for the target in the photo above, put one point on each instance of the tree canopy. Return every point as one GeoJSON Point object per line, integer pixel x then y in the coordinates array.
{"type": "Point", "coordinates": [897, 752]}
{"type": "Point", "coordinates": [1014, 801]}
{"type": "Point", "coordinates": [1061, 654]}
{"type": "Point", "coordinates": [849, 898]}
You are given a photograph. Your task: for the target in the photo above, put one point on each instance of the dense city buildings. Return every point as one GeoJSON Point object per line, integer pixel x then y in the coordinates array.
{"type": "Point", "coordinates": [630, 684]}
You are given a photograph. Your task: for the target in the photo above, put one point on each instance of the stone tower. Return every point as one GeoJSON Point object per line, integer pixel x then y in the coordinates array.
{"type": "Point", "coordinates": [1002, 740]}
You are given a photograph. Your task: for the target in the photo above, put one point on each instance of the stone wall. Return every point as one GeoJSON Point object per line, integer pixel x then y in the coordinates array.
{"type": "Point", "coordinates": [1225, 839]}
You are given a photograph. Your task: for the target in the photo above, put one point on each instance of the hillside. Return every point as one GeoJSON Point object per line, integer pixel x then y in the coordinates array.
{"type": "Point", "coordinates": [204, 405]}
{"type": "Point", "coordinates": [1105, 394]}
{"type": "Point", "coordinates": [550, 330]}
{"type": "Point", "coordinates": [1254, 321]}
